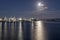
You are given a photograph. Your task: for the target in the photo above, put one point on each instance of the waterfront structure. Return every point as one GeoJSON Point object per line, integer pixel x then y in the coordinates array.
{"type": "Point", "coordinates": [21, 29]}
{"type": "Point", "coordinates": [12, 23]}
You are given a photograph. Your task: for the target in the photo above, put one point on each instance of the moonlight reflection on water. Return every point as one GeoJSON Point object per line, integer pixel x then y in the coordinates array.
{"type": "Point", "coordinates": [39, 31]}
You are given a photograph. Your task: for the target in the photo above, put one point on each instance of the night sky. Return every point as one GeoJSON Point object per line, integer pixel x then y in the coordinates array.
{"type": "Point", "coordinates": [28, 8]}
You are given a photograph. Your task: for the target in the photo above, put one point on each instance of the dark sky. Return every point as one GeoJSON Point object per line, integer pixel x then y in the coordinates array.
{"type": "Point", "coordinates": [27, 8]}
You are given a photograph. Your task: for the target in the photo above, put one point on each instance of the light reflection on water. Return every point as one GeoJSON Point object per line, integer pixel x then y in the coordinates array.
{"type": "Point", "coordinates": [37, 30]}
{"type": "Point", "coordinates": [20, 31]}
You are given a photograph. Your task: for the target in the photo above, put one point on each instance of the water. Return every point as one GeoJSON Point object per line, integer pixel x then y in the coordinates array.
{"type": "Point", "coordinates": [39, 31]}
{"type": "Point", "coordinates": [53, 30]}
{"type": "Point", "coordinates": [47, 30]}
{"type": "Point", "coordinates": [20, 31]}
{"type": "Point", "coordinates": [0, 30]}
{"type": "Point", "coordinates": [28, 30]}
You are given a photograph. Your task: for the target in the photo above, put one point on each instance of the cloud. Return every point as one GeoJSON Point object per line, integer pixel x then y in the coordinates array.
{"type": "Point", "coordinates": [34, 13]}
{"type": "Point", "coordinates": [41, 14]}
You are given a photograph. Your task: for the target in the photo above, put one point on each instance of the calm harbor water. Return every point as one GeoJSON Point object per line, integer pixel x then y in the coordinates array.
{"type": "Point", "coordinates": [25, 30]}
{"type": "Point", "coordinates": [53, 30]}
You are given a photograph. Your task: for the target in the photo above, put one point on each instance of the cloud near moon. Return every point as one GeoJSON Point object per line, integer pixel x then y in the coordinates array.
{"type": "Point", "coordinates": [41, 6]}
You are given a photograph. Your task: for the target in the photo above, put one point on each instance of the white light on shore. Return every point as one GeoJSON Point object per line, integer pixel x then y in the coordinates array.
{"type": "Point", "coordinates": [19, 18]}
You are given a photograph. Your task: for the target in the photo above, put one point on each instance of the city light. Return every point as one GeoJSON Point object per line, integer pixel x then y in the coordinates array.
{"type": "Point", "coordinates": [0, 19]}
{"type": "Point", "coordinates": [19, 18]}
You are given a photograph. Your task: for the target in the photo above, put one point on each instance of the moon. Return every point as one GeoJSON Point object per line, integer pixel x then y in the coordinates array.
{"type": "Point", "coordinates": [39, 4]}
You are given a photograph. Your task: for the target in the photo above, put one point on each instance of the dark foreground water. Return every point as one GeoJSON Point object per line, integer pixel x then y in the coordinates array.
{"type": "Point", "coordinates": [52, 29]}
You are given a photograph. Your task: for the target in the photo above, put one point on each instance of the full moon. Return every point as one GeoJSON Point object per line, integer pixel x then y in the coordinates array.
{"type": "Point", "coordinates": [39, 4]}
